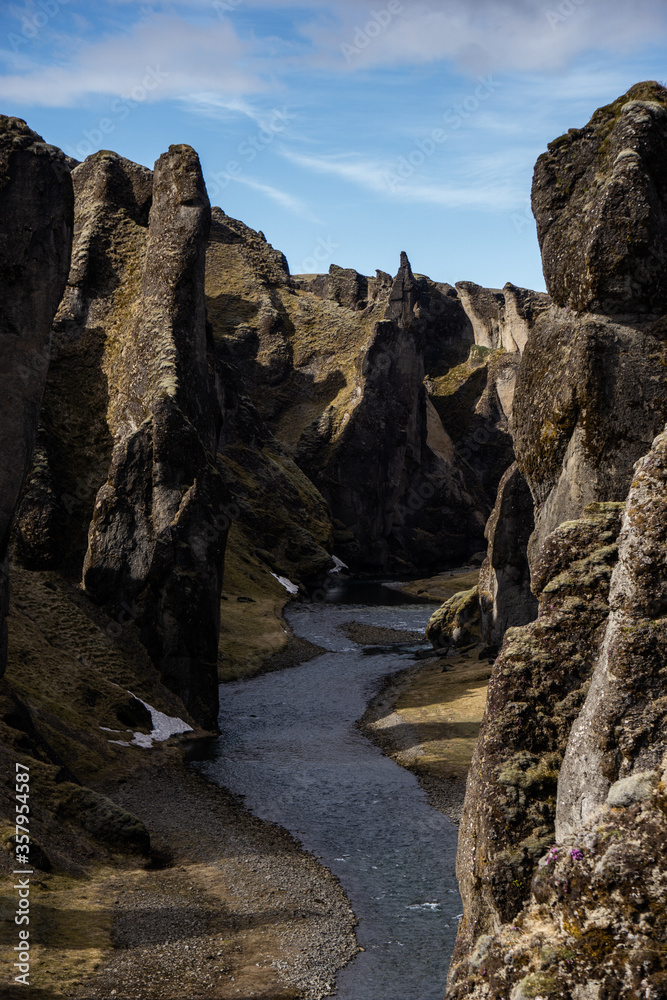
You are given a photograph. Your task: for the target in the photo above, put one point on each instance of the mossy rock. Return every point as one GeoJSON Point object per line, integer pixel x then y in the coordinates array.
{"type": "Point", "coordinates": [103, 819]}
{"type": "Point", "coordinates": [457, 622]}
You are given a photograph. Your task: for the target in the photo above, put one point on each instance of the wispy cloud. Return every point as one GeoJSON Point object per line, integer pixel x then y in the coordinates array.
{"type": "Point", "coordinates": [294, 205]}
{"type": "Point", "coordinates": [491, 191]}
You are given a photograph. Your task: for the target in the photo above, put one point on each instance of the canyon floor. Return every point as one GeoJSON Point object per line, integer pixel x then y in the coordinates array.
{"type": "Point", "coordinates": [229, 906]}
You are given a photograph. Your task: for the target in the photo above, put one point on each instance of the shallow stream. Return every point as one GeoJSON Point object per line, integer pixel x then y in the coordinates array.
{"type": "Point", "coordinates": [291, 748]}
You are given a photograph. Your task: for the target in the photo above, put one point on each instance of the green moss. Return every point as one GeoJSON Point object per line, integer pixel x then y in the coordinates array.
{"type": "Point", "coordinates": [457, 621]}
{"type": "Point", "coordinates": [538, 984]}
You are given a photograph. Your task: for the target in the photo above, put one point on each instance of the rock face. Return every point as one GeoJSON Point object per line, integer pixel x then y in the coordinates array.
{"type": "Point", "coordinates": [589, 918]}
{"type": "Point", "coordinates": [600, 201]}
{"type": "Point", "coordinates": [590, 397]}
{"type": "Point", "coordinates": [537, 687]}
{"type": "Point", "coordinates": [590, 391]}
{"type": "Point", "coordinates": [501, 318]}
{"type": "Point", "coordinates": [388, 469]}
{"type": "Point", "coordinates": [36, 208]}
{"type": "Point", "coordinates": [573, 743]}
{"type": "Point", "coordinates": [280, 514]}
{"type": "Point", "coordinates": [125, 490]}
{"type": "Point", "coordinates": [506, 599]}
{"type": "Point", "coordinates": [622, 728]}
{"type": "Point", "coordinates": [156, 538]}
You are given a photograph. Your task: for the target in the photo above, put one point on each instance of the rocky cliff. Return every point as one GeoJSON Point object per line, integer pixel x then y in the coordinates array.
{"type": "Point", "coordinates": [591, 391]}
{"type": "Point", "coordinates": [36, 207]}
{"type": "Point", "coordinates": [564, 804]}
{"type": "Point", "coordinates": [125, 491]}
{"type": "Point", "coordinates": [600, 202]}
{"type": "Point", "coordinates": [383, 391]}
{"type": "Point", "coordinates": [572, 757]}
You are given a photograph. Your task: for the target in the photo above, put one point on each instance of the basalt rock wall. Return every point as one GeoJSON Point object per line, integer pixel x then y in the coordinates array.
{"type": "Point", "coordinates": [560, 871]}
{"type": "Point", "coordinates": [36, 208]}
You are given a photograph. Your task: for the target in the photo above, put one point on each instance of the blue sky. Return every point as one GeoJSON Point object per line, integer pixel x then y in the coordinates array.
{"type": "Point", "coordinates": [346, 131]}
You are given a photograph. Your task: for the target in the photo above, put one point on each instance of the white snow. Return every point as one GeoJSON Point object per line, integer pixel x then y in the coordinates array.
{"type": "Point", "coordinates": [164, 726]}
{"type": "Point", "coordinates": [287, 584]}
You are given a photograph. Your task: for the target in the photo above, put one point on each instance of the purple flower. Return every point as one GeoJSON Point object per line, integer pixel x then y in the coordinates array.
{"type": "Point", "coordinates": [576, 854]}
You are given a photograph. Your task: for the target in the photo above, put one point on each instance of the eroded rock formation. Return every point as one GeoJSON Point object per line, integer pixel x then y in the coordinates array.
{"type": "Point", "coordinates": [622, 729]}
{"type": "Point", "coordinates": [536, 690]}
{"type": "Point", "coordinates": [585, 917]}
{"type": "Point", "coordinates": [600, 202]}
{"type": "Point", "coordinates": [590, 397]}
{"type": "Point", "coordinates": [36, 208]}
{"type": "Point", "coordinates": [377, 390]}
{"type": "Point", "coordinates": [125, 489]}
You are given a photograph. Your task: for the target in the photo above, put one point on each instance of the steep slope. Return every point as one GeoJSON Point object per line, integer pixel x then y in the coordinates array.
{"type": "Point", "coordinates": [593, 919]}
{"type": "Point", "coordinates": [591, 388]}
{"type": "Point", "coordinates": [600, 202]}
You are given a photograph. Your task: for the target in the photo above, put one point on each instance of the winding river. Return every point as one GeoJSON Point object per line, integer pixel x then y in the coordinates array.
{"type": "Point", "coordinates": [291, 748]}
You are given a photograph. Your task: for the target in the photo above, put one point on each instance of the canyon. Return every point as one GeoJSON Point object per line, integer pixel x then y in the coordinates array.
{"type": "Point", "coordinates": [194, 436]}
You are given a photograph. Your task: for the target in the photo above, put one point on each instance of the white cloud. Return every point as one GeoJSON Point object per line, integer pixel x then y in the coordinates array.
{"type": "Point", "coordinates": [401, 181]}
{"type": "Point", "coordinates": [167, 57]}
{"type": "Point", "coordinates": [219, 59]}
{"type": "Point", "coordinates": [483, 35]}
{"type": "Point", "coordinates": [282, 198]}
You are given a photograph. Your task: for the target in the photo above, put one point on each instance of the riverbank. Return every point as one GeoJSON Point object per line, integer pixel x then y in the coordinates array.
{"type": "Point", "coordinates": [254, 636]}
{"type": "Point", "coordinates": [223, 906]}
{"type": "Point", "coordinates": [427, 718]}
{"type": "Point", "coordinates": [229, 906]}
{"type": "Point", "coordinates": [241, 911]}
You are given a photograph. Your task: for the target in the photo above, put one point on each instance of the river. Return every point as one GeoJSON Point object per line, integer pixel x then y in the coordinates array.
{"type": "Point", "coordinates": [291, 748]}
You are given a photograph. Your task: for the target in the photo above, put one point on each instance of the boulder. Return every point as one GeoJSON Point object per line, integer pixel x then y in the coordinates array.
{"type": "Point", "coordinates": [456, 622]}
{"type": "Point", "coordinates": [36, 208]}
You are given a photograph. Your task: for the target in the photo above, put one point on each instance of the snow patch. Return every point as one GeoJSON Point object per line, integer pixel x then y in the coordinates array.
{"type": "Point", "coordinates": [164, 726]}
{"type": "Point", "coordinates": [287, 584]}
